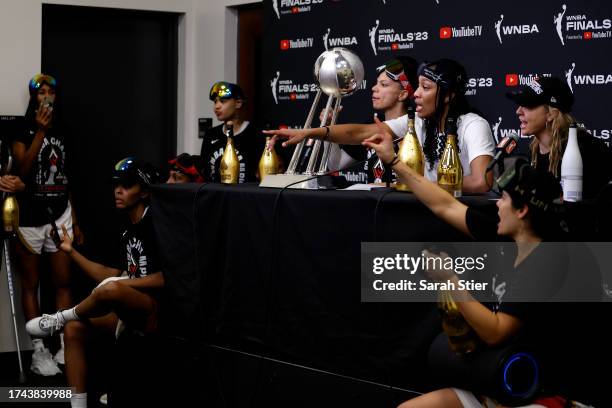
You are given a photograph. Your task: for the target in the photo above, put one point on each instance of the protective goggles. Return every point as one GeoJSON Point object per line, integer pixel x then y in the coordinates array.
{"type": "Point", "coordinates": [224, 90]}
{"type": "Point", "coordinates": [509, 178]}
{"type": "Point", "coordinates": [426, 71]}
{"type": "Point", "coordinates": [395, 70]}
{"type": "Point", "coordinates": [186, 167]}
{"type": "Point", "coordinates": [129, 173]}
{"type": "Point", "coordinates": [39, 79]}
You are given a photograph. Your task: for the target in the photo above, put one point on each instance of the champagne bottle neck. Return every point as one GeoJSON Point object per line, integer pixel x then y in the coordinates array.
{"type": "Point", "coordinates": [411, 125]}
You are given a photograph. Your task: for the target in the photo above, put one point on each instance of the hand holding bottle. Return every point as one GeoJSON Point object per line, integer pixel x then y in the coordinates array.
{"type": "Point", "coordinates": [435, 273]}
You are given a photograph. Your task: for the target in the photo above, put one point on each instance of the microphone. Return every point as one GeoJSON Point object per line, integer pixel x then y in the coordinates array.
{"type": "Point", "coordinates": [504, 148]}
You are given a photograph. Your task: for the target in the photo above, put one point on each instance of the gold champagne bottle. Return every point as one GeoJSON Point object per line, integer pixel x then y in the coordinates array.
{"type": "Point", "coordinates": [450, 171]}
{"type": "Point", "coordinates": [10, 214]}
{"type": "Point", "coordinates": [269, 162]}
{"type": "Point", "coordinates": [410, 152]}
{"type": "Point", "coordinates": [461, 337]}
{"type": "Point", "coordinates": [229, 168]}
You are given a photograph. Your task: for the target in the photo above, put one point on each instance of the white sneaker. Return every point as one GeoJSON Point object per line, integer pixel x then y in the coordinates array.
{"type": "Point", "coordinates": [43, 364]}
{"type": "Point", "coordinates": [45, 325]}
{"type": "Point", "coordinates": [104, 399]}
{"type": "Point", "coordinates": [59, 357]}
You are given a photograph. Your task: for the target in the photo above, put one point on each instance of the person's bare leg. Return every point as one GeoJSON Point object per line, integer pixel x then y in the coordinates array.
{"type": "Point", "coordinates": [444, 398]}
{"type": "Point", "coordinates": [60, 271]}
{"type": "Point", "coordinates": [76, 333]}
{"type": "Point", "coordinates": [116, 297]}
{"type": "Point", "coordinates": [29, 271]}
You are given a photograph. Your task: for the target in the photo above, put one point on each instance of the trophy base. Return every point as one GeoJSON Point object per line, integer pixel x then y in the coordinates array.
{"type": "Point", "coordinates": [302, 182]}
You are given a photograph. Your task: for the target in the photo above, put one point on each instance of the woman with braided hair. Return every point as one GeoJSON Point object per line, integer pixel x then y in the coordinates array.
{"type": "Point", "coordinates": [440, 95]}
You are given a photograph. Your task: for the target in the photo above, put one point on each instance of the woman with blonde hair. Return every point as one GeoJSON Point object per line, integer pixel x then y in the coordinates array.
{"type": "Point", "coordinates": [544, 110]}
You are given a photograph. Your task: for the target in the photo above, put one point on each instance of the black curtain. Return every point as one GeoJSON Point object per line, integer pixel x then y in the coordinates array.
{"type": "Point", "coordinates": [117, 78]}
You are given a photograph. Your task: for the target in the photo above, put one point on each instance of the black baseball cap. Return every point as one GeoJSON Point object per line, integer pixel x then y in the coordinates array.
{"type": "Point", "coordinates": [538, 189]}
{"type": "Point", "coordinates": [544, 91]}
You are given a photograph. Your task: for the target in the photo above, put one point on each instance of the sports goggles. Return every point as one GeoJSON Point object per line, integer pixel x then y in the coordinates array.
{"type": "Point", "coordinates": [39, 79]}
{"type": "Point", "coordinates": [223, 90]}
{"type": "Point", "coordinates": [395, 70]}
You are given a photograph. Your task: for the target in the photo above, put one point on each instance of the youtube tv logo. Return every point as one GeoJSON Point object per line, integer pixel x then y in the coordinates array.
{"type": "Point", "coordinates": [512, 79]}
{"type": "Point", "coordinates": [285, 45]}
{"type": "Point", "coordinates": [446, 33]}
{"type": "Point", "coordinates": [588, 35]}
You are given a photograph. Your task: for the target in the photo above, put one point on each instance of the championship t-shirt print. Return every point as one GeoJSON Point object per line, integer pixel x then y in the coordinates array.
{"type": "Point", "coordinates": [50, 177]}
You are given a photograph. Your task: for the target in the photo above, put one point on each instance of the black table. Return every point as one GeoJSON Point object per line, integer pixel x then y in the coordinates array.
{"type": "Point", "coordinates": [263, 305]}
{"type": "Point", "coordinates": [279, 273]}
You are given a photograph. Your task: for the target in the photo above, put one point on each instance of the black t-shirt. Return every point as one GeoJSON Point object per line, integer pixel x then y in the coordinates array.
{"type": "Point", "coordinates": [249, 146]}
{"type": "Point", "coordinates": [369, 171]}
{"type": "Point", "coordinates": [538, 278]}
{"type": "Point", "coordinates": [47, 182]}
{"type": "Point", "coordinates": [595, 157]}
{"type": "Point", "coordinates": [139, 255]}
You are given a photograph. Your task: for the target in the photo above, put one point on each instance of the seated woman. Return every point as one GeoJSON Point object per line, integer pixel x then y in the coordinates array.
{"type": "Point", "coordinates": [185, 168]}
{"type": "Point", "coordinates": [392, 93]}
{"type": "Point", "coordinates": [526, 215]}
{"type": "Point", "coordinates": [127, 291]}
{"type": "Point", "coordinates": [544, 107]}
{"type": "Point", "coordinates": [441, 93]}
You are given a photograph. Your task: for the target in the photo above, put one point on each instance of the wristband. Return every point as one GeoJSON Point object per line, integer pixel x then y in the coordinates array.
{"type": "Point", "coordinates": [393, 162]}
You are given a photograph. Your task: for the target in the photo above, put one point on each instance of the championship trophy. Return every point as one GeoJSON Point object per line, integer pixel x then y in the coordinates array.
{"type": "Point", "coordinates": [338, 73]}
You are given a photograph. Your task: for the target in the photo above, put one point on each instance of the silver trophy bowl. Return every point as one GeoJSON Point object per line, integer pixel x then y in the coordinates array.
{"type": "Point", "coordinates": [339, 72]}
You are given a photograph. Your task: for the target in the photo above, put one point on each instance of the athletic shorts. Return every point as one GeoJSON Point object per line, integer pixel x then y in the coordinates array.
{"type": "Point", "coordinates": [37, 239]}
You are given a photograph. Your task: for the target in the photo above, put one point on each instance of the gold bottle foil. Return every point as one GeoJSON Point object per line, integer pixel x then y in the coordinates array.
{"type": "Point", "coordinates": [10, 214]}
{"type": "Point", "coordinates": [461, 337]}
{"type": "Point", "coordinates": [269, 162]}
{"type": "Point", "coordinates": [410, 153]}
{"type": "Point", "coordinates": [450, 171]}
{"type": "Point", "coordinates": [229, 168]}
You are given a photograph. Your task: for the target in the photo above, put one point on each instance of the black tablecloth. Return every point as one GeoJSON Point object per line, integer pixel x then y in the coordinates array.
{"type": "Point", "coordinates": [279, 272]}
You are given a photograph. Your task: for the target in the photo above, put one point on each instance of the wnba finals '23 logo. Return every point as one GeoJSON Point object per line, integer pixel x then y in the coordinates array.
{"type": "Point", "coordinates": [389, 39]}
{"type": "Point", "coordinates": [579, 27]}
{"type": "Point", "coordinates": [287, 90]}
{"type": "Point", "coordinates": [282, 7]}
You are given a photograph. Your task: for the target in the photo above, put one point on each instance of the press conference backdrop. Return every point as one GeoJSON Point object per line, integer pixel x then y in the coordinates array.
{"type": "Point", "coordinates": [501, 44]}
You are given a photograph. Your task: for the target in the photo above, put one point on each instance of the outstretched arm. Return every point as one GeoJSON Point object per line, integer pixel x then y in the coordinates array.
{"type": "Point", "coordinates": [439, 201]}
{"type": "Point", "coordinates": [341, 134]}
